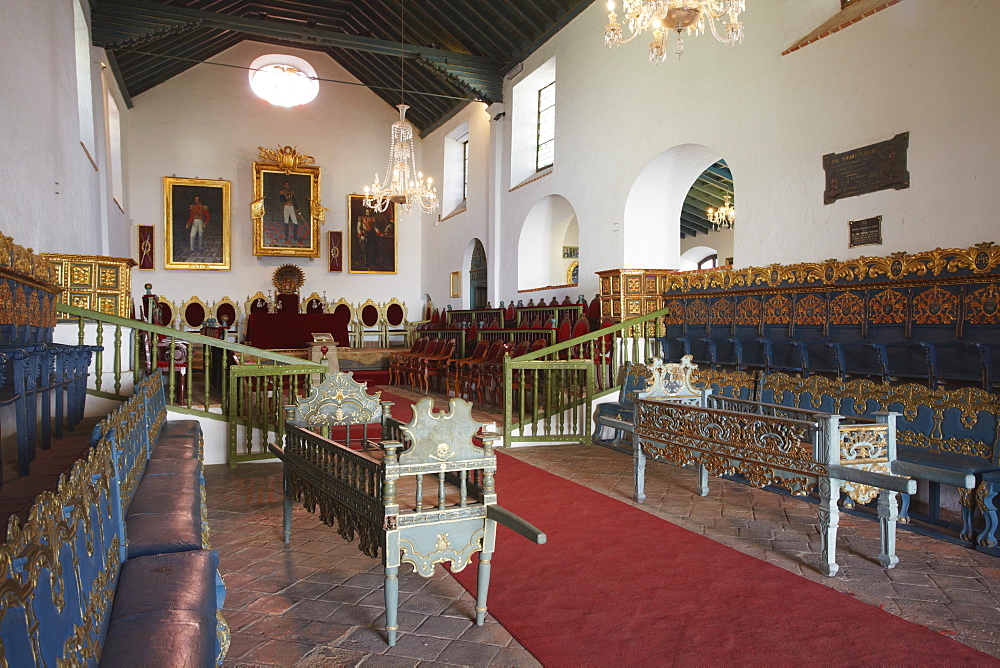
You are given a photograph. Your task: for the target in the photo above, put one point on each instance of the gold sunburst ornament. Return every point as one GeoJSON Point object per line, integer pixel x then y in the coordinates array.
{"type": "Point", "coordinates": [662, 16]}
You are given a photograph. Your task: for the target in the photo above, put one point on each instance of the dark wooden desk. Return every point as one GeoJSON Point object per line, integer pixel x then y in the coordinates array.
{"type": "Point", "coordinates": [293, 330]}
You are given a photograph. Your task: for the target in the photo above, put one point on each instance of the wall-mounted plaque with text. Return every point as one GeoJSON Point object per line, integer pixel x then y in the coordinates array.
{"type": "Point", "coordinates": [867, 232]}
{"type": "Point", "coordinates": [867, 169]}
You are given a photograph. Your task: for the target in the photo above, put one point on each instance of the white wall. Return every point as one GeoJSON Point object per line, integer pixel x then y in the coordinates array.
{"type": "Point", "coordinates": [772, 118]}
{"type": "Point", "coordinates": [720, 242]}
{"type": "Point", "coordinates": [206, 123]}
{"type": "Point", "coordinates": [57, 201]}
{"type": "Point", "coordinates": [446, 242]}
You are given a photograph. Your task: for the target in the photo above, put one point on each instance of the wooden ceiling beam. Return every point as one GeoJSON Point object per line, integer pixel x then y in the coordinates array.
{"type": "Point", "coordinates": [298, 33]}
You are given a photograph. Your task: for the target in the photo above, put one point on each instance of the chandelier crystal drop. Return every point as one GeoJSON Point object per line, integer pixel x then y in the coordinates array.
{"type": "Point", "coordinates": [724, 217]}
{"type": "Point", "coordinates": [403, 184]}
{"type": "Point", "coordinates": [664, 16]}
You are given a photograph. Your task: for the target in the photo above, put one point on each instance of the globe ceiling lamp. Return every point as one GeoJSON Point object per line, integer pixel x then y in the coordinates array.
{"type": "Point", "coordinates": [404, 184]}
{"type": "Point", "coordinates": [662, 16]}
{"type": "Point", "coordinates": [724, 217]}
{"type": "Point", "coordinates": [282, 80]}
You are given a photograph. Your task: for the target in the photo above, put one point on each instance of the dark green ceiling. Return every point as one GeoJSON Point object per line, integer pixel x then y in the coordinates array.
{"type": "Point", "coordinates": [708, 190]}
{"type": "Point", "coordinates": [455, 50]}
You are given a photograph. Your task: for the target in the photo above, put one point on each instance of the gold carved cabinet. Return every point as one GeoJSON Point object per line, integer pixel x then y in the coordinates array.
{"type": "Point", "coordinates": [95, 282]}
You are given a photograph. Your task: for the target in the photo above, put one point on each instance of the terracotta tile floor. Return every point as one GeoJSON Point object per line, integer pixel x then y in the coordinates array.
{"type": "Point", "coordinates": [319, 603]}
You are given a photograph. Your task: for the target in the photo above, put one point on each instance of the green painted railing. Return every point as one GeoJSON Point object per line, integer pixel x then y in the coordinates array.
{"type": "Point", "coordinates": [258, 395]}
{"type": "Point", "coordinates": [195, 366]}
{"type": "Point", "coordinates": [548, 394]}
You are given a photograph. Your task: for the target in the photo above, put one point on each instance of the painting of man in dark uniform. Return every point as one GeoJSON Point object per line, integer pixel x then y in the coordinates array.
{"type": "Point", "coordinates": [287, 221]}
{"type": "Point", "coordinates": [372, 238]}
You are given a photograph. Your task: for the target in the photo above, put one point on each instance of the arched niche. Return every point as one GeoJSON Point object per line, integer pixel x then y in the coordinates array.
{"type": "Point", "coordinates": [652, 220]}
{"type": "Point", "coordinates": [691, 257]}
{"type": "Point", "coordinates": [475, 266]}
{"type": "Point", "coordinates": [549, 224]}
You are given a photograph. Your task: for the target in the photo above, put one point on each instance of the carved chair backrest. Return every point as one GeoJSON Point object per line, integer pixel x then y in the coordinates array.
{"type": "Point", "coordinates": [338, 400]}
{"type": "Point", "coordinates": [395, 313]}
{"type": "Point", "coordinates": [637, 379]}
{"type": "Point", "coordinates": [226, 312]}
{"type": "Point", "coordinates": [671, 380]}
{"type": "Point", "coordinates": [480, 350]}
{"type": "Point", "coordinates": [368, 314]}
{"type": "Point", "coordinates": [443, 441]}
{"type": "Point", "coordinates": [194, 313]}
{"type": "Point", "coordinates": [343, 309]}
{"type": "Point", "coordinates": [520, 348]}
{"type": "Point", "coordinates": [167, 312]}
{"type": "Point", "coordinates": [256, 304]}
{"type": "Point", "coordinates": [495, 351]}
{"type": "Point", "coordinates": [313, 304]}
{"type": "Point", "coordinates": [564, 331]}
{"type": "Point", "coordinates": [287, 302]}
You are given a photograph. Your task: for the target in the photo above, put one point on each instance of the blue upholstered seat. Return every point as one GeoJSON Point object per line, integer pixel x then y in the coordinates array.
{"type": "Point", "coordinates": [164, 612]}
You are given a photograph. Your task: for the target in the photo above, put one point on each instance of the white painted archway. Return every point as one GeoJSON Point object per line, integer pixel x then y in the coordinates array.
{"type": "Point", "coordinates": [549, 223]}
{"type": "Point", "coordinates": [653, 207]}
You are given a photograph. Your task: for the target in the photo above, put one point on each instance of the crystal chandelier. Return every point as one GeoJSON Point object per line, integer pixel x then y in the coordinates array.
{"type": "Point", "coordinates": [724, 217]}
{"type": "Point", "coordinates": [400, 186]}
{"type": "Point", "coordinates": [667, 15]}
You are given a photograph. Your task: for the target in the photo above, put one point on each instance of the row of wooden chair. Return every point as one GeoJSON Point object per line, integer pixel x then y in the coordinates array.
{"type": "Point", "coordinates": [426, 361]}
{"type": "Point", "coordinates": [478, 376]}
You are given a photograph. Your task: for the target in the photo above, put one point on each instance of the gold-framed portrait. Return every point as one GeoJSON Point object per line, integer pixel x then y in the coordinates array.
{"type": "Point", "coordinates": [286, 212]}
{"type": "Point", "coordinates": [371, 238]}
{"type": "Point", "coordinates": [196, 223]}
{"type": "Point", "coordinates": [456, 284]}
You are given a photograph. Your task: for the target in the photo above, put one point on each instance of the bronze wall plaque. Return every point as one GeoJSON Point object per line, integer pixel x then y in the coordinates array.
{"type": "Point", "coordinates": [867, 169]}
{"type": "Point", "coordinates": [867, 232]}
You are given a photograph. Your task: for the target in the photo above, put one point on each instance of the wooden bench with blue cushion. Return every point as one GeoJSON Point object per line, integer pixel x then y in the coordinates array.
{"type": "Point", "coordinates": [379, 495]}
{"type": "Point", "coordinates": [114, 567]}
{"type": "Point", "coordinates": [775, 445]}
{"type": "Point", "coordinates": [950, 434]}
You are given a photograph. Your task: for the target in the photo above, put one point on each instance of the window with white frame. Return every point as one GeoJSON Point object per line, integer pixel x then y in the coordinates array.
{"type": "Point", "coordinates": [455, 186]}
{"type": "Point", "coordinates": [115, 151]}
{"type": "Point", "coordinates": [532, 130]}
{"type": "Point", "coordinates": [546, 138]}
{"type": "Point", "coordinates": [465, 169]}
{"type": "Point", "coordinates": [84, 88]}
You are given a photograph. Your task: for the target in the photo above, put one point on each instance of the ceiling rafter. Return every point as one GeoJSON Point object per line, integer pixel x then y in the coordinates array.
{"type": "Point", "coordinates": [455, 49]}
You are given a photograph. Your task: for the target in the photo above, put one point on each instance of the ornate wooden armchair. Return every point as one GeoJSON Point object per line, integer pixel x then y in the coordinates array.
{"type": "Point", "coordinates": [393, 322]}
{"type": "Point", "coordinates": [257, 304]}
{"type": "Point", "coordinates": [345, 311]}
{"type": "Point", "coordinates": [313, 304]}
{"type": "Point", "coordinates": [368, 322]}
{"type": "Point", "coordinates": [286, 302]}
{"type": "Point", "coordinates": [227, 314]}
{"type": "Point", "coordinates": [166, 312]}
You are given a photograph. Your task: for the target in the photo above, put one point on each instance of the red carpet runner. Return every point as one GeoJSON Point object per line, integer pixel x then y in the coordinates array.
{"type": "Point", "coordinates": [616, 586]}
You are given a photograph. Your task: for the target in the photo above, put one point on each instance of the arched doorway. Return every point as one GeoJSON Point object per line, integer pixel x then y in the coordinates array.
{"type": "Point", "coordinates": [549, 228]}
{"type": "Point", "coordinates": [710, 191]}
{"type": "Point", "coordinates": [477, 276]}
{"type": "Point", "coordinates": [657, 213]}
